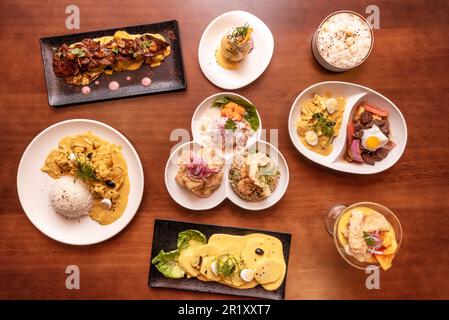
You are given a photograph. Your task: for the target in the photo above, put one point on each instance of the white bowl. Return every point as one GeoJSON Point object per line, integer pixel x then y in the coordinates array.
{"type": "Point", "coordinates": [190, 201]}
{"type": "Point", "coordinates": [33, 185]}
{"type": "Point", "coordinates": [205, 106]}
{"type": "Point", "coordinates": [251, 67]}
{"type": "Point", "coordinates": [354, 94]}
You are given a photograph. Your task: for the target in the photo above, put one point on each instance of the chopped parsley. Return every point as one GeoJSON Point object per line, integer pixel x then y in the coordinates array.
{"type": "Point", "coordinates": [323, 124]}
{"type": "Point", "coordinates": [240, 32]}
{"type": "Point", "coordinates": [78, 52]}
{"type": "Point", "coordinates": [230, 125]}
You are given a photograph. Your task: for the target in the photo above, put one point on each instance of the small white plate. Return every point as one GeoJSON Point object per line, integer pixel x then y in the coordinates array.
{"type": "Point", "coordinates": [354, 94]}
{"type": "Point", "coordinates": [281, 188]}
{"type": "Point", "coordinates": [190, 201]}
{"type": "Point", "coordinates": [183, 196]}
{"type": "Point", "coordinates": [33, 185]}
{"type": "Point", "coordinates": [205, 106]}
{"type": "Point", "coordinates": [251, 67]}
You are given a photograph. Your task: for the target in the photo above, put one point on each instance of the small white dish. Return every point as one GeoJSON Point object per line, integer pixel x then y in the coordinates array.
{"type": "Point", "coordinates": [281, 188]}
{"type": "Point", "coordinates": [190, 201]}
{"type": "Point", "coordinates": [183, 196]}
{"type": "Point", "coordinates": [33, 185]}
{"type": "Point", "coordinates": [354, 94]}
{"type": "Point", "coordinates": [204, 108]}
{"type": "Point", "coordinates": [251, 67]}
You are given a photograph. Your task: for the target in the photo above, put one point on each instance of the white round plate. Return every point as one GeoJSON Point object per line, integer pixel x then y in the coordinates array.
{"type": "Point", "coordinates": [190, 201]}
{"type": "Point", "coordinates": [355, 94]}
{"type": "Point", "coordinates": [205, 106]}
{"type": "Point", "coordinates": [33, 185]}
{"type": "Point", "coordinates": [251, 67]}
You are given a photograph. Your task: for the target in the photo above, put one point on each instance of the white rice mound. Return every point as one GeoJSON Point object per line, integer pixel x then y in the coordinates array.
{"type": "Point", "coordinates": [71, 197]}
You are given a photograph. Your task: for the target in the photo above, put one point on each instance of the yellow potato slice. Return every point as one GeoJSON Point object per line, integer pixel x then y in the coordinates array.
{"type": "Point", "coordinates": [385, 261]}
{"type": "Point", "coordinates": [269, 270]}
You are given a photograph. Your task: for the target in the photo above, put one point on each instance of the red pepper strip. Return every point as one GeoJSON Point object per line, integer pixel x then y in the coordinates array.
{"type": "Point", "coordinates": [375, 110]}
{"type": "Point", "coordinates": [350, 133]}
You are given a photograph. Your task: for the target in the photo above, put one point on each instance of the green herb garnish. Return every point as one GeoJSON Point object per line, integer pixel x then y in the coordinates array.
{"type": "Point", "coordinates": [186, 236]}
{"type": "Point", "coordinates": [250, 110]}
{"type": "Point", "coordinates": [167, 264]}
{"type": "Point", "coordinates": [323, 125]}
{"type": "Point", "coordinates": [78, 52]}
{"type": "Point", "coordinates": [240, 32]}
{"type": "Point", "coordinates": [85, 170]}
{"type": "Point", "coordinates": [230, 125]}
{"type": "Point", "coordinates": [146, 44]}
{"type": "Point", "coordinates": [227, 265]}
{"type": "Point", "coordinates": [368, 239]}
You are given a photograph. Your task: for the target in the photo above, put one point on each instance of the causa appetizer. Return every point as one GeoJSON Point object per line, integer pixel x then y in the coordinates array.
{"type": "Point", "coordinates": [241, 262]}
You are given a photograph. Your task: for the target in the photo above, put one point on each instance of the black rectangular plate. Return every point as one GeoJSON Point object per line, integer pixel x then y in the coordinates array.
{"type": "Point", "coordinates": [165, 236]}
{"type": "Point", "coordinates": [169, 76]}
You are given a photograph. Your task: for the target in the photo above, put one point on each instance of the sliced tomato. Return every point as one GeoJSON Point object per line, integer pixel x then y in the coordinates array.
{"type": "Point", "coordinates": [375, 110]}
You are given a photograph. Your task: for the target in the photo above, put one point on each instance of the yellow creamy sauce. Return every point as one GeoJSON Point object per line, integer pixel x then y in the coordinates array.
{"type": "Point", "coordinates": [269, 267]}
{"type": "Point", "coordinates": [225, 63]}
{"type": "Point", "coordinates": [324, 146]}
{"type": "Point", "coordinates": [109, 165]}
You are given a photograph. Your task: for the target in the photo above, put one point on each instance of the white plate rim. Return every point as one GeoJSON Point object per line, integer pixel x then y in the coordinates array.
{"type": "Point", "coordinates": [107, 127]}
{"type": "Point", "coordinates": [292, 131]}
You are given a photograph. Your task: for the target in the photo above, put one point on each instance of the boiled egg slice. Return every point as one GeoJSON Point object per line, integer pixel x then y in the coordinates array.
{"type": "Point", "coordinates": [72, 157]}
{"type": "Point", "coordinates": [373, 138]}
{"type": "Point", "coordinates": [214, 268]}
{"type": "Point", "coordinates": [311, 138]}
{"type": "Point", "coordinates": [106, 204]}
{"type": "Point", "coordinates": [331, 105]}
{"type": "Point", "coordinates": [247, 275]}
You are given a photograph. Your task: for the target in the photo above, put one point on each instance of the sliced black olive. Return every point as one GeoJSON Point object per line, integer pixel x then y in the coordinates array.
{"type": "Point", "coordinates": [110, 183]}
{"type": "Point", "coordinates": [89, 155]}
{"type": "Point", "coordinates": [259, 251]}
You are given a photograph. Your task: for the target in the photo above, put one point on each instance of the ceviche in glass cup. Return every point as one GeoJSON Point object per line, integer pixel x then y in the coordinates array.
{"type": "Point", "coordinates": [365, 234]}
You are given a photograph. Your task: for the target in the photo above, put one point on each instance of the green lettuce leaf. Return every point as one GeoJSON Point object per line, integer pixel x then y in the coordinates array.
{"type": "Point", "coordinates": [167, 264]}
{"type": "Point", "coordinates": [250, 114]}
{"type": "Point", "coordinates": [185, 236]}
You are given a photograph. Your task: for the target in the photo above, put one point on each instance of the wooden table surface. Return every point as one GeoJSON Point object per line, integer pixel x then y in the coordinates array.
{"type": "Point", "coordinates": [409, 65]}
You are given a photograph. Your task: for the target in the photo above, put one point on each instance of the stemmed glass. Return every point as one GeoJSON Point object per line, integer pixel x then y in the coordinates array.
{"type": "Point", "coordinates": [337, 211]}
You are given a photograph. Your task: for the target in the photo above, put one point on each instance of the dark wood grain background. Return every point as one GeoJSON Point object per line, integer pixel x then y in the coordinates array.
{"type": "Point", "coordinates": [409, 64]}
